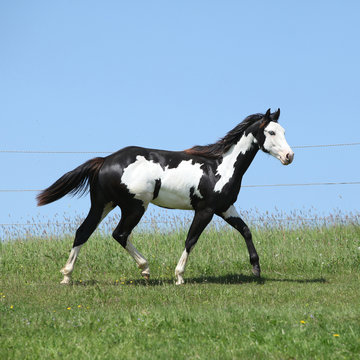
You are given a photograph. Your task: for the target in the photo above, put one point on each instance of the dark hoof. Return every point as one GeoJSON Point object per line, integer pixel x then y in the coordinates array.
{"type": "Point", "coordinates": [256, 271]}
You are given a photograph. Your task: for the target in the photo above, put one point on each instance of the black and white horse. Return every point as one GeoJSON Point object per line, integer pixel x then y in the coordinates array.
{"type": "Point", "coordinates": [206, 179]}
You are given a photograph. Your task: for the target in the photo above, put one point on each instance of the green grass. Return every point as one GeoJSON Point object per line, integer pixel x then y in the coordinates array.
{"type": "Point", "coordinates": [309, 292]}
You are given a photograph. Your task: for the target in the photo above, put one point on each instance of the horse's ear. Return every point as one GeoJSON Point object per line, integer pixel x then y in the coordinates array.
{"type": "Point", "coordinates": [276, 115]}
{"type": "Point", "coordinates": [265, 120]}
{"type": "Point", "coordinates": [267, 115]}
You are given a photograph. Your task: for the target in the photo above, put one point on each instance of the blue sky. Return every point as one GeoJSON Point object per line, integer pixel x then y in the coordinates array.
{"type": "Point", "coordinates": [98, 76]}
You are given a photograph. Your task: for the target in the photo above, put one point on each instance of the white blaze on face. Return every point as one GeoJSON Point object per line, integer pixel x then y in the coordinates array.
{"type": "Point", "coordinates": [276, 144]}
{"type": "Point", "coordinates": [227, 167]}
{"type": "Point", "coordinates": [176, 183]}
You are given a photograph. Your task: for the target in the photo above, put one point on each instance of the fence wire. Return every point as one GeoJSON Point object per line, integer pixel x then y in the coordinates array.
{"type": "Point", "coordinates": [261, 219]}
{"type": "Point", "coordinates": [244, 186]}
{"type": "Point", "coordinates": [4, 151]}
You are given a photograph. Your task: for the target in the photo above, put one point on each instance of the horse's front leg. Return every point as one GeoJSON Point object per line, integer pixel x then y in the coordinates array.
{"type": "Point", "coordinates": [232, 217]}
{"type": "Point", "coordinates": [199, 223]}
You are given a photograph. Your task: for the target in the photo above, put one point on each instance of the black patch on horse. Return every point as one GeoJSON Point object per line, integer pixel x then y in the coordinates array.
{"type": "Point", "coordinates": [157, 188]}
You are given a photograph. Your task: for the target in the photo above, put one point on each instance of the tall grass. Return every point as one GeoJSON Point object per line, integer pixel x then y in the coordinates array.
{"type": "Point", "coordinates": [157, 219]}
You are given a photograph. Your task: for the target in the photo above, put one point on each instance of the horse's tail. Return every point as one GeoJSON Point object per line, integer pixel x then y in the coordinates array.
{"type": "Point", "coordinates": [74, 182]}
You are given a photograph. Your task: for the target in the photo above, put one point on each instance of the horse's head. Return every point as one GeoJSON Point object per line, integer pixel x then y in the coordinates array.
{"type": "Point", "coordinates": [271, 138]}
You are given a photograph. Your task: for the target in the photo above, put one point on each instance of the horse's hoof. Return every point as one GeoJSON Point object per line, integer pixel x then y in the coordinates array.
{"type": "Point", "coordinates": [146, 276]}
{"type": "Point", "coordinates": [180, 281]}
{"type": "Point", "coordinates": [256, 271]}
{"type": "Point", "coordinates": [66, 280]}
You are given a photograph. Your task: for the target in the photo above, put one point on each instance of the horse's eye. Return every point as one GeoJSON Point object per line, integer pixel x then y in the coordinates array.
{"type": "Point", "coordinates": [271, 132]}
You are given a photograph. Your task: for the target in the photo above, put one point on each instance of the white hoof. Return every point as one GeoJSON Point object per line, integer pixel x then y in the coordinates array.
{"type": "Point", "coordinates": [146, 274]}
{"type": "Point", "coordinates": [67, 276]}
{"type": "Point", "coordinates": [180, 280]}
{"type": "Point", "coordinates": [66, 280]}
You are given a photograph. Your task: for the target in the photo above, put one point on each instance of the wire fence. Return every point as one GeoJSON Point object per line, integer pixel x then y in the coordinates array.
{"type": "Point", "coordinates": [70, 226]}
{"type": "Point", "coordinates": [110, 152]}
{"type": "Point", "coordinates": [244, 186]}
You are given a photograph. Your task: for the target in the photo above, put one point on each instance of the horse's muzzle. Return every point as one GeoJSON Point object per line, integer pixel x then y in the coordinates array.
{"type": "Point", "coordinates": [286, 158]}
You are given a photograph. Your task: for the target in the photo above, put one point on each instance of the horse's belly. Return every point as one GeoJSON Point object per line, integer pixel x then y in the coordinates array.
{"type": "Point", "coordinates": [163, 186]}
{"type": "Point", "coordinates": [178, 186]}
{"type": "Point", "coordinates": [173, 199]}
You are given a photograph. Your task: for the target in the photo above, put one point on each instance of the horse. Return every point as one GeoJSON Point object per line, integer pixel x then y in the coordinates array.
{"type": "Point", "coordinates": [205, 179]}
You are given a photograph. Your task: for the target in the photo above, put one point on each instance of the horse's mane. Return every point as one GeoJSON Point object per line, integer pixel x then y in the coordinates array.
{"type": "Point", "coordinates": [220, 147]}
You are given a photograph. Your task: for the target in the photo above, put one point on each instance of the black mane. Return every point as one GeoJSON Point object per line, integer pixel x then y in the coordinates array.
{"type": "Point", "coordinates": [221, 146]}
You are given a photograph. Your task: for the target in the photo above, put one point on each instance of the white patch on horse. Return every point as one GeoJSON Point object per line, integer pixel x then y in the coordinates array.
{"type": "Point", "coordinates": [230, 213]}
{"type": "Point", "coordinates": [227, 167]}
{"type": "Point", "coordinates": [108, 207]}
{"type": "Point", "coordinates": [176, 183]}
{"type": "Point", "coordinates": [140, 176]}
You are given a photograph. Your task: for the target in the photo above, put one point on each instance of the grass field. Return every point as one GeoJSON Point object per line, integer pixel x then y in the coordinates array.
{"type": "Point", "coordinates": [306, 306]}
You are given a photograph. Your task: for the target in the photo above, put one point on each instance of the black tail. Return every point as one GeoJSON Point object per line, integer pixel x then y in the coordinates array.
{"type": "Point", "coordinates": [74, 182]}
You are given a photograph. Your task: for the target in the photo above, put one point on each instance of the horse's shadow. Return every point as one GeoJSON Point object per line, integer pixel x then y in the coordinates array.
{"type": "Point", "coordinates": [246, 279]}
{"type": "Point", "coordinates": [229, 279]}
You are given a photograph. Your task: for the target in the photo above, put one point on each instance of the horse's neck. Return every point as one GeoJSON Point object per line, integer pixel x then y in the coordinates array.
{"type": "Point", "coordinates": [236, 161]}
{"type": "Point", "coordinates": [244, 161]}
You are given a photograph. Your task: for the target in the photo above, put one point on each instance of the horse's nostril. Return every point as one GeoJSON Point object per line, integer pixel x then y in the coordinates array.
{"type": "Point", "coordinates": [290, 157]}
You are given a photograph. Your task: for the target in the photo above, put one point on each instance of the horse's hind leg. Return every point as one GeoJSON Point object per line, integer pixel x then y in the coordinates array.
{"type": "Point", "coordinates": [96, 214]}
{"type": "Point", "coordinates": [130, 217]}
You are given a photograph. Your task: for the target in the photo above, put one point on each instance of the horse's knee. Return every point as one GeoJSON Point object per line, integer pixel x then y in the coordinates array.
{"type": "Point", "coordinates": [120, 237]}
